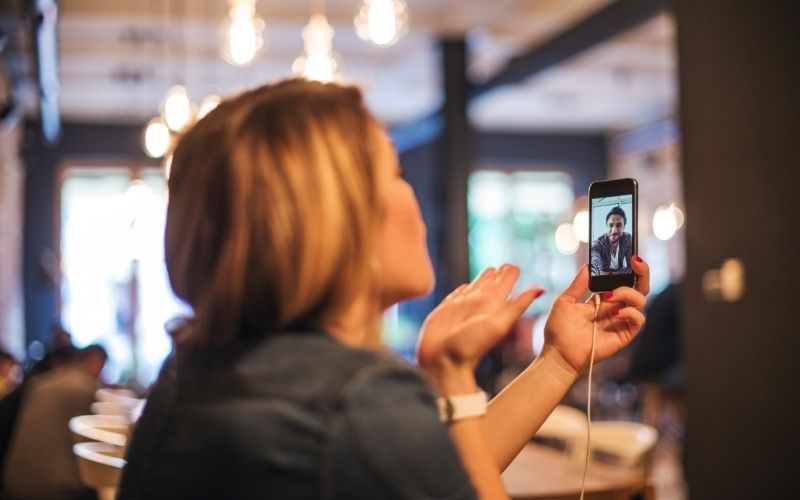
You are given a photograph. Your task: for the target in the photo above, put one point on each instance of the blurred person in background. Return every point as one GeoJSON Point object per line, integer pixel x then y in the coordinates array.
{"type": "Point", "coordinates": [656, 361]}
{"type": "Point", "coordinates": [40, 463]}
{"type": "Point", "coordinates": [60, 351]}
{"type": "Point", "coordinates": [290, 229]}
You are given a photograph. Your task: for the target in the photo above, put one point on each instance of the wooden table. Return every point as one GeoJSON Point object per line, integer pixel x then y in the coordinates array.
{"type": "Point", "coordinates": [539, 472]}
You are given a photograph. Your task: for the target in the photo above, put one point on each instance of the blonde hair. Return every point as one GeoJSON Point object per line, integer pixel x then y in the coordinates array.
{"type": "Point", "coordinates": [272, 211]}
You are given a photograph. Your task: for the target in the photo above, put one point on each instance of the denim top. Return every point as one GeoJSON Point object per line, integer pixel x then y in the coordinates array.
{"type": "Point", "coordinates": [295, 416]}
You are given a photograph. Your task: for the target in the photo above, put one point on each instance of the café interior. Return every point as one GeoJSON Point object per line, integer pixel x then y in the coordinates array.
{"type": "Point", "coordinates": [502, 114]}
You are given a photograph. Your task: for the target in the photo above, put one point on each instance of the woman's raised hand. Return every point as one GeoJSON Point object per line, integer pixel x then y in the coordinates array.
{"type": "Point", "coordinates": [467, 324]}
{"type": "Point", "coordinates": [568, 330]}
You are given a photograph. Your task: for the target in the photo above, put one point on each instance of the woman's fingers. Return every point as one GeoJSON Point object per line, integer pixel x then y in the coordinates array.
{"type": "Point", "coordinates": [468, 289]}
{"type": "Point", "coordinates": [503, 282]}
{"type": "Point", "coordinates": [493, 288]}
{"type": "Point", "coordinates": [642, 271]}
{"type": "Point", "coordinates": [625, 297]}
{"type": "Point", "coordinates": [578, 287]}
{"type": "Point", "coordinates": [517, 306]}
{"type": "Point", "coordinates": [456, 293]}
{"type": "Point", "coordinates": [629, 315]}
{"type": "Point", "coordinates": [487, 275]}
{"type": "Point", "coordinates": [502, 320]}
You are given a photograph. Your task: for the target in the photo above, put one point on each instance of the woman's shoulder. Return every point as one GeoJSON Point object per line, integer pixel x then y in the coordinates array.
{"type": "Point", "coordinates": [341, 369]}
{"type": "Point", "coordinates": [387, 436]}
{"type": "Point", "coordinates": [318, 351]}
{"type": "Point", "coordinates": [296, 365]}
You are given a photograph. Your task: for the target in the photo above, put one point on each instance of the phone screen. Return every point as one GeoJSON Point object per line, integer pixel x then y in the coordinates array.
{"type": "Point", "coordinates": [613, 239]}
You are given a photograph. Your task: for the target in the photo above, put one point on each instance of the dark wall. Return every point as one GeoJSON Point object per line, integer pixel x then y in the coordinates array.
{"type": "Point", "coordinates": [740, 123]}
{"type": "Point", "coordinates": [84, 143]}
{"type": "Point", "coordinates": [584, 157]}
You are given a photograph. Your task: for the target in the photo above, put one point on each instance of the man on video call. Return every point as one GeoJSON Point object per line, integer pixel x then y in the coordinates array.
{"type": "Point", "coordinates": [611, 252]}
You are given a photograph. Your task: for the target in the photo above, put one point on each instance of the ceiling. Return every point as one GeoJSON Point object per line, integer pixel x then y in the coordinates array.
{"type": "Point", "coordinates": [117, 59]}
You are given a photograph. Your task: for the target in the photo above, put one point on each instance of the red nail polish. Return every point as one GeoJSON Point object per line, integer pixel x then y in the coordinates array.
{"type": "Point", "coordinates": [538, 294]}
{"type": "Point", "coordinates": [608, 295]}
{"type": "Point", "coordinates": [615, 312]}
{"type": "Point", "coordinates": [638, 259]}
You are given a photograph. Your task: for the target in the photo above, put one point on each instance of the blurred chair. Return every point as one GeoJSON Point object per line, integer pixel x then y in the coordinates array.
{"type": "Point", "coordinates": [111, 401]}
{"type": "Point", "coordinates": [565, 430]}
{"type": "Point", "coordinates": [112, 395]}
{"type": "Point", "coordinates": [626, 444]}
{"type": "Point", "coordinates": [109, 429]}
{"type": "Point", "coordinates": [100, 467]}
{"type": "Point", "coordinates": [110, 408]}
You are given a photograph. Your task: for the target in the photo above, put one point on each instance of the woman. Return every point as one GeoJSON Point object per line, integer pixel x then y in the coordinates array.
{"type": "Point", "coordinates": [289, 231]}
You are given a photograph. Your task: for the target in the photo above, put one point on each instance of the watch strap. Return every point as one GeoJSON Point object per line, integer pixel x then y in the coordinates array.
{"type": "Point", "coordinates": [459, 407]}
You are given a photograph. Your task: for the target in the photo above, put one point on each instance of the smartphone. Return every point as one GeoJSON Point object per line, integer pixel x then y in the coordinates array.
{"type": "Point", "coordinates": [613, 231]}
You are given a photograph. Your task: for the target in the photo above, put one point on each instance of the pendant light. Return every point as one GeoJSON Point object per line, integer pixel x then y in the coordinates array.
{"type": "Point", "coordinates": [382, 22]}
{"type": "Point", "coordinates": [319, 61]}
{"type": "Point", "coordinates": [243, 33]}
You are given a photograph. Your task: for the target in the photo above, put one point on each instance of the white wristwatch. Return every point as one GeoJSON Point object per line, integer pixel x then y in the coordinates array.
{"type": "Point", "coordinates": [452, 408]}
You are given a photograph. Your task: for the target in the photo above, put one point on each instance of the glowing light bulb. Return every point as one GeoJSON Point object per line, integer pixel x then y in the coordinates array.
{"type": "Point", "coordinates": [137, 193]}
{"type": "Point", "coordinates": [318, 62]}
{"type": "Point", "coordinates": [177, 108]}
{"type": "Point", "coordinates": [382, 22]}
{"type": "Point", "coordinates": [566, 242]}
{"type": "Point", "coordinates": [209, 102]}
{"type": "Point", "coordinates": [156, 138]}
{"type": "Point", "coordinates": [317, 67]}
{"type": "Point", "coordinates": [244, 33]}
{"type": "Point", "coordinates": [581, 226]}
{"type": "Point", "coordinates": [664, 223]}
{"type": "Point", "coordinates": [680, 217]}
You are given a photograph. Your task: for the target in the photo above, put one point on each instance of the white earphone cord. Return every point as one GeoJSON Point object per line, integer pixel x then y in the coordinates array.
{"type": "Point", "coordinates": [589, 396]}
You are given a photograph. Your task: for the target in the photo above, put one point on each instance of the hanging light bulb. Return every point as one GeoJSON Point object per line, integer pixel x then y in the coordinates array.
{"type": "Point", "coordinates": [243, 32]}
{"type": "Point", "coordinates": [208, 103]}
{"type": "Point", "coordinates": [137, 196]}
{"type": "Point", "coordinates": [664, 223]}
{"type": "Point", "coordinates": [177, 108]}
{"type": "Point", "coordinates": [581, 226]}
{"type": "Point", "coordinates": [156, 138]}
{"type": "Point", "coordinates": [680, 217]}
{"type": "Point", "coordinates": [319, 61]}
{"type": "Point", "coordinates": [382, 22]}
{"type": "Point", "coordinates": [566, 241]}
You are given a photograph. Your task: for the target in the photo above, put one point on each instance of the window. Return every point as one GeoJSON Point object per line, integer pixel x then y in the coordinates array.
{"type": "Point", "coordinates": [114, 286]}
{"type": "Point", "coordinates": [513, 217]}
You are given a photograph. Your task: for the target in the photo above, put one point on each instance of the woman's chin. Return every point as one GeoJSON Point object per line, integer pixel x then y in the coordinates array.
{"type": "Point", "coordinates": [406, 293]}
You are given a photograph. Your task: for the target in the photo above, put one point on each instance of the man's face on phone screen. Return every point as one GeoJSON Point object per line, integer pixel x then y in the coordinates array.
{"type": "Point", "coordinates": [616, 226]}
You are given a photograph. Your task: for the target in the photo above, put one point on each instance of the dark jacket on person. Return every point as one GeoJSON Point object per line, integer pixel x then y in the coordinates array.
{"type": "Point", "coordinates": [295, 416]}
{"type": "Point", "coordinates": [601, 255]}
